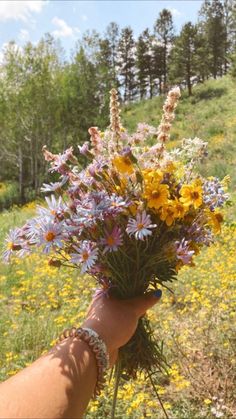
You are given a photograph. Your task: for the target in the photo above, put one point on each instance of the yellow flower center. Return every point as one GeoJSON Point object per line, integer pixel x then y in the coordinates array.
{"type": "Point", "coordinates": [110, 241]}
{"type": "Point", "coordinates": [10, 246]}
{"type": "Point", "coordinates": [156, 194]}
{"type": "Point", "coordinates": [219, 217]}
{"type": "Point", "coordinates": [140, 226]}
{"type": "Point", "coordinates": [85, 256]}
{"type": "Point", "coordinates": [194, 195]}
{"type": "Point", "coordinates": [49, 236]}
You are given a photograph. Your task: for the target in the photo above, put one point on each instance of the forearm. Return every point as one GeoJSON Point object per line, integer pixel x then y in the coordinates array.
{"type": "Point", "coordinates": [57, 385]}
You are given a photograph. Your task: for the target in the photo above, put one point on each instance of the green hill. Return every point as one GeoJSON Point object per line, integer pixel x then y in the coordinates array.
{"type": "Point", "coordinates": [209, 114]}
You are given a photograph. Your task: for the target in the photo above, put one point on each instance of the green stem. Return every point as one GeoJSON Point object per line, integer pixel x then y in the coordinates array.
{"type": "Point", "coordinates": [117, 381]}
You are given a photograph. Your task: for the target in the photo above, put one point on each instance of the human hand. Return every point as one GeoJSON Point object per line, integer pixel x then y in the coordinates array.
{"type": "Point", "coordinates": [116, 320]}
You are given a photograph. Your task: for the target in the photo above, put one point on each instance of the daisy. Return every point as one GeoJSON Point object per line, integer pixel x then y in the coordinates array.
{"type": "Point", "coordinates": [112, 240]}
{"type": "Point", "coordinates": [140, 226]}
{"type": "Point", "coordinates": [183, 252]}
{"type": "Point", "coordinates": [86, 255]}
{"type": "Point", "coordinates": [13, 243]}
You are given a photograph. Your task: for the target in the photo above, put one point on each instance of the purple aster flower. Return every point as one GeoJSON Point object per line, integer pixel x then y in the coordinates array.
{"type": "Point", "coordinates": [183, 252]}
{"type": "Point", "coordinates": [140, 226]}
{"type": "Point", "coordinates": [112, 240]}
{"type": "Point", "coordinates": [117, 204]}
{"type": "Point", "coordinates": [56, 208]}
{"type": "Point", "coordinates": [54, 187]}
{"type": "Point", "coordinates": [44, 232]}
{"type": "Point", "coordinates": [84, 148]}
{"type": "Point", "coordinates": [14, 243]}
{"type": "Point", "coordinates": [86, 255]}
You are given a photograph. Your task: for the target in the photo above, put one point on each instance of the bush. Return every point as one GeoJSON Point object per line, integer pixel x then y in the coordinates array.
{"type": "Point", "coordinates": [9, 195]}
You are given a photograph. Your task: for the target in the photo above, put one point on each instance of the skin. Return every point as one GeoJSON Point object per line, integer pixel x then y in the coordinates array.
{"type": "Point", "coordinates": [61, 383]}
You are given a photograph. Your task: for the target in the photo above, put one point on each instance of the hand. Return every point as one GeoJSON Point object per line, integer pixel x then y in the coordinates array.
{"type": "Point", "coordinates": [116, 320]}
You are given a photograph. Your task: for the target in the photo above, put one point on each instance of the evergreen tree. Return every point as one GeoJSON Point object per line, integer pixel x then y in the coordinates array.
{"type": "Point", "coordinates": [212, 21]}
{"type": "Point", "coordinates": [112, 35]}
{"type": "Point", "coordinates": [143, 63]}
{"type": "Point", "coordinates": [127, 64]}
{"type": "Point", "coordinates": [164, 31]}
{"type": "Point", "coordinates": [184, 56]}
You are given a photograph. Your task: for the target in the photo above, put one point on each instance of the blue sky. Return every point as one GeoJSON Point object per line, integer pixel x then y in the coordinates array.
{"type": "Point", "coordinates": [67, 20]}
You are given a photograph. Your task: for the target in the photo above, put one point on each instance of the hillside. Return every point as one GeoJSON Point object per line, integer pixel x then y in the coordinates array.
{"type": "Point", "coordinates": [209, 114]}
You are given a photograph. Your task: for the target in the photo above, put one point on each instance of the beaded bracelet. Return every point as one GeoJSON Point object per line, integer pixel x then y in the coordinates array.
{"type": "Point", "coordinates": [97, 346]}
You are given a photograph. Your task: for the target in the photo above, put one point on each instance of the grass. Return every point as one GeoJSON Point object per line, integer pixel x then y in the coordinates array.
{"type": "Point", "coordinates": [209, 114]}
{"type": "Point", "coordinates": [197, 323]}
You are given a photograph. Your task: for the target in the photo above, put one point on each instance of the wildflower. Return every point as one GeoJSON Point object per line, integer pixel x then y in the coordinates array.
{"type": "Point", "coordinates": [13, 243]}
{"type": "Point", "coordinates": [179, 208]}
{"type": "Point", "coordinates": [54, 187]}
{"type": "Point", "coordinates": [168, 214]}
{"type": "Point", "coordinates": [95, 140]}
{"type": "Point", "coordinates": [123, 164]}
{"type": "Point", "coordinates": [55, 207]}
{"type": "Point", "coordinates": [86, 255]}
{"type": "Point", "coordinates": [84, 148]}
{"type": "Point", "coordinates": [214, 220]}
{"type": "Point", "coordinates": [112, 240]}
{"type": "Point", "coordinates": [191, 195]}
{"type": "Point", "coordinates": [214, 195]}
{"type": "Point", "coordinates": [156, 195]}
{"type": "Point", "coordinates": [183, 252]}
{"type": "Point", "coordinates": [140, 226]}
{"type": "Point", "coordinates": [49, 235]}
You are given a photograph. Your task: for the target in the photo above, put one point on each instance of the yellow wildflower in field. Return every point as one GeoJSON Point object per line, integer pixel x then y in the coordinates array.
{"type": "Point", "coordinates": [191, 194]}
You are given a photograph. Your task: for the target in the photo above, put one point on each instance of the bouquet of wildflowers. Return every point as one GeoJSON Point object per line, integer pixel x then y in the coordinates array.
{"type": "Point", "coordinates": [130, 215]}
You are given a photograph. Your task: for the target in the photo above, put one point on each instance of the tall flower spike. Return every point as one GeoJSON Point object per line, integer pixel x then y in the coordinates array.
{"type": "Point", "coordinates": [167, 117]}
{"type": "Point", "coordinates": [115, 125]}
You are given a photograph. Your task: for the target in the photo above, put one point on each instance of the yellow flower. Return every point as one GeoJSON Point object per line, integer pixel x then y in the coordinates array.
{"type": "Point", "coordinates": [157, 195]}
{"type": "Point", "coordinates": [214, 220]}
{"type": "Point", "coordinates": [150, 175]}
{"type": "Point", "coordinates": [123, 164]}
{"type": "Point", "coordinates": [191, 195]}
{"type": "Point", "coordinates": [180, 209]}
{"type": "Point", "coordinates": [168, 214]}
{"type": "Point", "coordinates": [207, 401]}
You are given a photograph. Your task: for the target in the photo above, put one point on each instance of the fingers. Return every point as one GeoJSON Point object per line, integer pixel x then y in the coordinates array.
{"type": "Point", "coordinates": [143, 303]}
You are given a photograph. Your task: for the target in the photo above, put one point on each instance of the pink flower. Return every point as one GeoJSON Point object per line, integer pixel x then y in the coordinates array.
{"type": "Point", "coordinates": [112, 240]}
{"type": "Point", "coordinates": [140, 226]}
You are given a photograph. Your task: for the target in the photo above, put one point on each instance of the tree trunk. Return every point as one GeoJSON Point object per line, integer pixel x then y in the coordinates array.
{"type": "Point", "coordinates": [21, 177]}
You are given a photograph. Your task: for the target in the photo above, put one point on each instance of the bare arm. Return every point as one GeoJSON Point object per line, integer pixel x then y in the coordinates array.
{"type": "Point", "coordinates": [61, 383]}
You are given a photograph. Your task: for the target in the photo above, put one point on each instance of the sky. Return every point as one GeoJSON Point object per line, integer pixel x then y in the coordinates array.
{"type": "Point", "coordinates": [29, 20]}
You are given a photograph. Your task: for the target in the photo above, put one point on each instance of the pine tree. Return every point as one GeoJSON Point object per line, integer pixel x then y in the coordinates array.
{"type": "Point", "coordinates": [184, 56]}
{"type": "Point", "coordinates": [127, 62]}
{"type": "Point", "coordinates": [212, 21]}
{"type": "Point", "coordinates": [112, 35]}
{"type": "Point", "coordinates": [164, 31]}
{"type": "Point", "coordinates": [145, 64]}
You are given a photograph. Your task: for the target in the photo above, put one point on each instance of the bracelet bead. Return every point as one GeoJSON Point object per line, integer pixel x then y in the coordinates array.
{"type": "Point", "coordinates": [97, 346]}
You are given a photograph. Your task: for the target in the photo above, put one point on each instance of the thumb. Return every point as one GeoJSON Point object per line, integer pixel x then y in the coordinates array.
{"type": "Point", "coordinates": [142, 303]}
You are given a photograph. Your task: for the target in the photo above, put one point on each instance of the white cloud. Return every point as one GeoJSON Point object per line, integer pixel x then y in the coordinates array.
{"type": "Point", "coordinates": [63, 29]}
{"type": "Point", "coordinates": [23, 35]}
{"type": "Point", "coordinates": [84, 17]}
{"type": "Point", "coordinates": [175, 12]}
{"type": "Point", "coordinates": [20, 9]}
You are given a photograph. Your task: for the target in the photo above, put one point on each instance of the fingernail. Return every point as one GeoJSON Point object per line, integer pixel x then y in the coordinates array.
{"type": "Point", "coordinates": [158, 293]}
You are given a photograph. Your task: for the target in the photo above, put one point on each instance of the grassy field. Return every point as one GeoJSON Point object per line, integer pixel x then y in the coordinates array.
{"type": "Point", "coordinates": [197, 324]}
